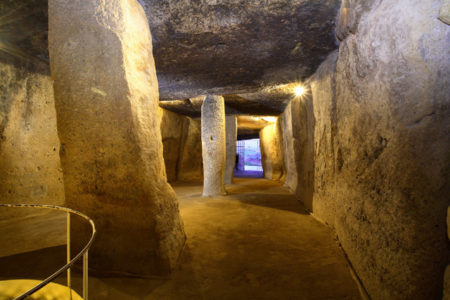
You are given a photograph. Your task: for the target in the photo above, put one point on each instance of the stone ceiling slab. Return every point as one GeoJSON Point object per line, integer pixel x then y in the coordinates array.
{"type": "Point", "coordinates": [237, 46]}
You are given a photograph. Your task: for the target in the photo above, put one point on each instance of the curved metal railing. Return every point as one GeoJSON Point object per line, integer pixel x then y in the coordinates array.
{"type": "Point", "coordinates": [70, 262]}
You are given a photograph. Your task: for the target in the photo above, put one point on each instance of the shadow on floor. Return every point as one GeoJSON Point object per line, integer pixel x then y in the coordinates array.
{"type": "Point", "coordinates": [281, 202]}
{"type": "Point", "coordinates": [256, 243]}
{"type": "Point", "coordinates": [37, 264]}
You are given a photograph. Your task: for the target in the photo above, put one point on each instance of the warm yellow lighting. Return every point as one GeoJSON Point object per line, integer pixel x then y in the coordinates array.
{"type": "Point", "coordinates": [15, 287]}
{"type": "Point", "coordinates": [299, 90]}
{"type": "Point", "coordinates": [270, 119]}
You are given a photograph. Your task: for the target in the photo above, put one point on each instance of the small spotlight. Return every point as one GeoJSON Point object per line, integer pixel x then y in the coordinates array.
{"type": "Point", "coordinates": [299, 90]}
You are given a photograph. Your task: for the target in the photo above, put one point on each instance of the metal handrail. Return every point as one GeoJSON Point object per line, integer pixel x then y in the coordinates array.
{"type": "Point", "coordinates": [70, 262]}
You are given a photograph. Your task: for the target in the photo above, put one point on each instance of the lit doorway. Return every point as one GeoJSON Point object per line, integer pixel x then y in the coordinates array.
{"type": "Point", "coordinates": [248, 159]}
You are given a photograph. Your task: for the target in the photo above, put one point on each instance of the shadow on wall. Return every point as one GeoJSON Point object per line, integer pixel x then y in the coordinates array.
{"type": "Point", "coordinates": [297, 122]}
{"type": "Point", "coordinates": [182, 147]}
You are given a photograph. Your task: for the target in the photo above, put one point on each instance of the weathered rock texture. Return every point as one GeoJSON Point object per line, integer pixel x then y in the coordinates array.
{"type": "Point", "coordinates": [323, 89]}
{"type": "Point", "coordinates": [224, 47]}
{"type": "Point", "coordinates": [24, 26]}
{"type": "Point", "coordinates": [231, 137]}
{"type": "Point", "coordinates": [172, 134]}
{"type": "Point", "coordinates": [298, 139]}
{"type": "Point", "coordinates": [268, 101]}
{"type": "Point", "coordinates": [272, 151]}
{"type": "Point", "coordinates": [349, 16]}
{"type": "Point", "coordinates": [213, 145]}
{"type": "Point", "coordinates": [190, 164]}
{"type": "Point", "coordinates": [288, 148]}
{"type": "Point", "coordinates": [249, 126]}
{"type": "Point", "coordinates": [382, 143]}
{"type": "Point", "coordinates": [444, 12]}
{"type": "Point", "coordinates": [106, 99]}
{"type": "Point", "coordinates": [182, 146]}
{"type": "Point", "coordinates": [30, 170]}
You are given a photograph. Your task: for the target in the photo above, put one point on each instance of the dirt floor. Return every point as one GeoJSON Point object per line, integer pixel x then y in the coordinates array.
{"type": "Point", "coordinates": [255, 243]}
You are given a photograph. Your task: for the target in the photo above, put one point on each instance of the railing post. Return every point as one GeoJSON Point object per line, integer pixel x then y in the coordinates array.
{"type": "Point", "coordinates": [85, 276]}
{"type": "Point", "coordinates": [83, 253]}
{"type": "Point", "coordinates": [69, 279]}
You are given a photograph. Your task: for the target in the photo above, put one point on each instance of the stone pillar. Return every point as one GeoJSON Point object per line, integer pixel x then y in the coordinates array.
{"type": "Point", "coordinates": [213, 145]}
{"type": "Point", "coordinates": [231, 133]}
{"type": "Point", "coordinates": [106, 95]}
{"type": "Point", "coordinates": [288, 147]}
{"type": "Point", "coordinates": [271, 151]}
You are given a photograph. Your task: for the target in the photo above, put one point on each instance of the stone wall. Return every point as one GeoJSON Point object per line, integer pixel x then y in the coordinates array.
{"type": "Point", "coordinates": [172, 131]}
{"type": "Point", "coordinates": [323, 89]}
{"type": "Point", "coordinates": [272, 152]}
{"type": "Point", "coordinates": [181, 136]}
{"type": "Point", "coordinates": [29, 144]}
{"type": "Point", "coordinates": [297, 123]}
{"type": "Point", "coordinates": [289, 156]}
{"type": "Point", "coordinates": [382, 140]}
{"type": "Point", "coordinates": [190, 164]}
{"type": "Point", "coordinates": [231, 138]}
{"type": "Point", "coordinates": [30, 170]}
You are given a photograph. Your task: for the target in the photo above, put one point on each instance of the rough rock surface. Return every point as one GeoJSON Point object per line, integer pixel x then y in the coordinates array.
{"type": "Point", "coordinates": [29, 144]}
{"type": "Point", "coordinates": [444, 12]}
{"type": "Point", "coordinates": [350, 13]}
{"type": "Point", "coordinates": [24, 26]}
{"type": "Point", "coordinates": [213, 145]}
{"type": "Point", "coordinates": [171, 133]}
{"type": "Point", "coordinates": [269, 101]}
{"type": "Point", "coordinates": [190, 165]}
{"type": "Point", "coordinates": [224, 47]}
{"type": "Point", "coordinates": [231, 137]}
{"type": "Point", "coordinates": [106, 98]}
{"type": "Point", "coordinates": [288, 148]}
{"type": "Point", "coordinates": [298, 139]}
{"type": "Point", "coordinates": [191, 107]}
{"type": "Point", "coordinates": [272, 151]}
{"type": "Point", "coordinates": [323, 89]}
{"type": "Point", "coordinates": [390, 133]}
{"type": "Point", "coordinates": [249, 126]}
{"type": "Point", "coordinates": [30, 170]}
{"type": "Point", "coordinates": [393, 138]}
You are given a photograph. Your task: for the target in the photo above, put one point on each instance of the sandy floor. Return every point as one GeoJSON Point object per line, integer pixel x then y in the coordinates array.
{"type": "Point", "coordinates": [255, 243]}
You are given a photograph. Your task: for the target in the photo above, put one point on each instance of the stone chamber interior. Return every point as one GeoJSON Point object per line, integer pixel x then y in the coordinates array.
{"type": "Point", "coordinates": [131, 111]}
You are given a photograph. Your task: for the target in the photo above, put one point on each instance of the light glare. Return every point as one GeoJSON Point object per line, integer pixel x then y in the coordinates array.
{"type": "Point", "coordinates": [270, 119]}
{"type": "Point", "coordinates": [299, 90]}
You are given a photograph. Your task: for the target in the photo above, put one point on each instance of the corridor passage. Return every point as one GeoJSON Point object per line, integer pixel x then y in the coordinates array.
{"type": "Point", "coordinates": [255, 243]}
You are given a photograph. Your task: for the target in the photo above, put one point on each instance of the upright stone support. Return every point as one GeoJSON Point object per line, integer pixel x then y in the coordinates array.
{"type": "Point", "coordinates": [106, 95]}
{"type": "Point", "coordinates": [231, 133]}
{"type": "Point", "coordinates": [272, 152]}
{"type": "Point", "coordinates": [213, 145]}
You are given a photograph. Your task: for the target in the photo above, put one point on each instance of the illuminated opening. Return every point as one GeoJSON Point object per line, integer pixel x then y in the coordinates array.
{"type": "Point", "coordinates": [248, 159]}
{"type": "Point", "coordinates": [269, 119]}
{"type": "Point", "coordinates": [299, 90]}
